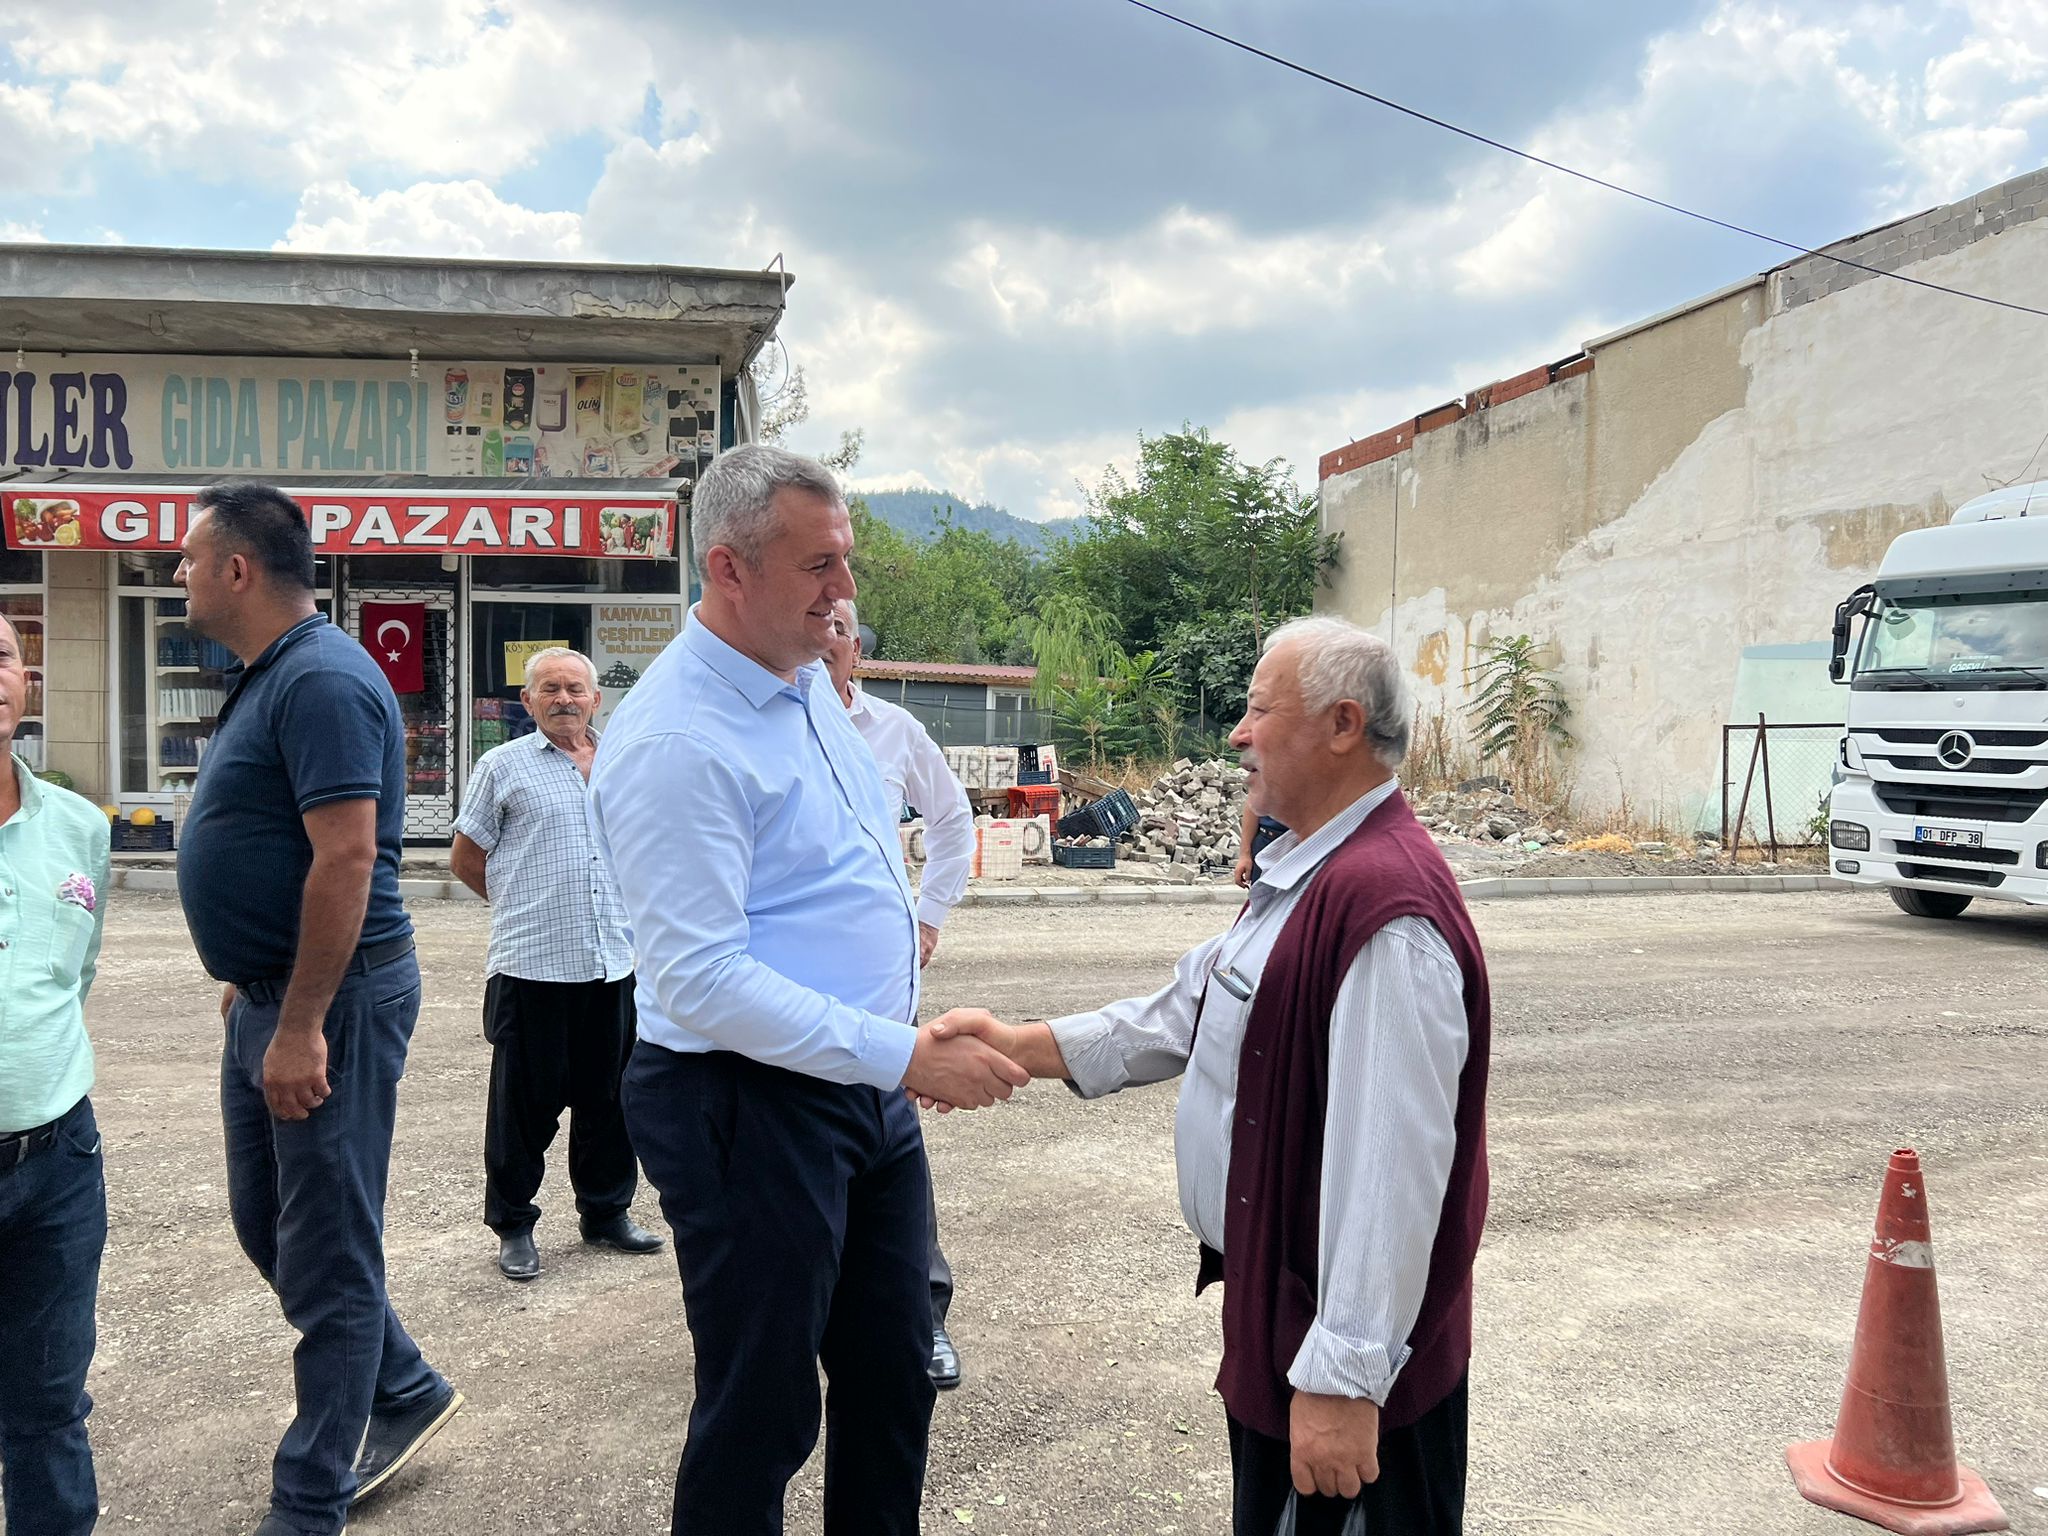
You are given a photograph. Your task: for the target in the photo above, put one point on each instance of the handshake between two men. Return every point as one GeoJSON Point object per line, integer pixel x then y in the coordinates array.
{"type": "Point", "coordinates": [967, 1058]}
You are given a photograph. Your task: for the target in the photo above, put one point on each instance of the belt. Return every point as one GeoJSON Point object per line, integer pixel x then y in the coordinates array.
{"type": "Point", "coordinates": [366, 959]}
{"type": "Point", "coordinates": [16, 1146]}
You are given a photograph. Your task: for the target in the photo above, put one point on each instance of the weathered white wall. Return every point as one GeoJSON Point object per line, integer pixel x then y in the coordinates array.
{"type": "Point", "coordinates": [1727, 477]}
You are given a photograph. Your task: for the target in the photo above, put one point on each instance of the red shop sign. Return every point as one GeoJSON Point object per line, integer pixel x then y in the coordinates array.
{"type": "Point", "coordinates": [617, 525]}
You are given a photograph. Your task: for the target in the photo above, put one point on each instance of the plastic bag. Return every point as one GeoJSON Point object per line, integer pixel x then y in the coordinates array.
{"type": "Point", "coordinates": [1354, 1523]}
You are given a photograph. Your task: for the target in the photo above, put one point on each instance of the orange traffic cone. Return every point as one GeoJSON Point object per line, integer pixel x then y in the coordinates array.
{"type": "Point", "coordinates": [1893, 1458]}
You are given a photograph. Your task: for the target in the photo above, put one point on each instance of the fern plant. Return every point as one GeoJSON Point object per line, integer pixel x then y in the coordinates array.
{"type": "Point", "coordinates": [1517, 708]}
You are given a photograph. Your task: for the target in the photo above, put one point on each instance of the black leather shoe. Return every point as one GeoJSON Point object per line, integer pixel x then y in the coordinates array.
{"type": "Point", "coordinates": [945, 1361]}
{"type": "Point", "coordinates": [518, 1259]}
{"type": "Point", "coordinates": [622, 1233]}
{"type": "Point", "coordinates": [392, 1440]}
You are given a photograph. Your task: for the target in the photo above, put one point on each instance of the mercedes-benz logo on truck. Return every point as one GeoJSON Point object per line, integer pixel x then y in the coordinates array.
{"type": "Point", "coordinates": [1955, 749]}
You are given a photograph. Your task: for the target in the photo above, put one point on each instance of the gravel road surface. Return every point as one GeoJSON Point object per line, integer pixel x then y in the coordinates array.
{"type": "Point", "coordinates": [1693, 1099]}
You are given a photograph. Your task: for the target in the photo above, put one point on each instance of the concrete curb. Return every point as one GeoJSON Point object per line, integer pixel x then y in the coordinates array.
{"type": "Point", "coordinates": [1500, 888]}
{"type": "Point", "coordinates": [1508, 888]}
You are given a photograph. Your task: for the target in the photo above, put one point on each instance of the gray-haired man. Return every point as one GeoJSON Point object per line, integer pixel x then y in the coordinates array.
{"type": "Point", "coordinates": [756, 851]}
{"type": "Point", "coordinates": [558, 1001]}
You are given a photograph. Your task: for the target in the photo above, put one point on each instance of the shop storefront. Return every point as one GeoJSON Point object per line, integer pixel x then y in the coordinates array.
{"type": "Point", "coordinates": [464, 515]}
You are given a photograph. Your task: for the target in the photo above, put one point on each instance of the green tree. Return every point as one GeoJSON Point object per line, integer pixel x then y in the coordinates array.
{"type": "Point", "coordinates": [1196, 555]}
{"type": "Point", "coordinates": [1072, 645]}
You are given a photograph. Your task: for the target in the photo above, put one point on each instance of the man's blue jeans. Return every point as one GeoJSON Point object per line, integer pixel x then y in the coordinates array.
{"type": "Point", "coordinates": [53, 1227]}
{"type": "Point", "coordinates": [307, 1198]}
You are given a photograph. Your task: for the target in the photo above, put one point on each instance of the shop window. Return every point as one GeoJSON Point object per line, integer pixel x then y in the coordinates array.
{"type": "Point", "coordinates": [138, 569]}
{"type": "Point", "coordinates": [23, 608]}
{"type": "Point", "coordinates": [553, 573]}
{"type": "Point", "coordinates": [399, 571]}
{"type": "Point", "coordinates": [504, 634]}
{"type": "Point", "coordinates": [21, 568]}
{"type": "Point", "coordinates": [172, 686]}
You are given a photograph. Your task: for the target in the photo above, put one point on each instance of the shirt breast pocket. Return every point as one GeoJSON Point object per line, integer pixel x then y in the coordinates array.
{"type": "Point", "coordinates": [70, 937]}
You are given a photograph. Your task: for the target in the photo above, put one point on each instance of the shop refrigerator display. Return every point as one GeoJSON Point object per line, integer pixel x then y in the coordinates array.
{"type": "Point", "coordinates": [186, 692]}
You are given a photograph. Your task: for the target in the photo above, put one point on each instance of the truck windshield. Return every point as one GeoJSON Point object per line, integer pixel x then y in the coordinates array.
{"type": "Point", "coordinates": [1951, 640]}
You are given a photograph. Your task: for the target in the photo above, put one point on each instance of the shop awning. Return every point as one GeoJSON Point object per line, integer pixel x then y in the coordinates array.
{"type": "Point", "coordinates": [376, 515]}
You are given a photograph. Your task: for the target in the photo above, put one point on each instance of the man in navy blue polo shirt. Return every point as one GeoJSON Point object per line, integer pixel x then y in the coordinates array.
{"type": "Point", "coordinates": [288, 870]}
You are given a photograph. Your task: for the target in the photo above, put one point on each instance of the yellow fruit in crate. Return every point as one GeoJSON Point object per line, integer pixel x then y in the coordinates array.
{"type": "Point", "coordinates": [113, 812]}
{"type": "Point", "coordinates": [143, 816]}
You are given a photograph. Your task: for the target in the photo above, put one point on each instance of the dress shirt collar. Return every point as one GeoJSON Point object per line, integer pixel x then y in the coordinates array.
{"type": "Point", "coordinates": [859, 706]}
{"type": "Point", "coordinates": [31, 789]}
{"type": "Point", "coordinates": [754, 682]}
{"type": "Point", "coordinates": [1288, 860]}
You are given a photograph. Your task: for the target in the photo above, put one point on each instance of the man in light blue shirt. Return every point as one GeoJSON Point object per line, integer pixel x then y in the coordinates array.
{"type": "Point", "coordinates": [776, 939]}
{"type": "Point", "coordinates": [53, 1197]}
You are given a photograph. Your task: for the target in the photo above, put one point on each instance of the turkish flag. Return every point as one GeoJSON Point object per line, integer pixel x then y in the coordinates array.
{"type": "Point", "coordinates": [395, 636]}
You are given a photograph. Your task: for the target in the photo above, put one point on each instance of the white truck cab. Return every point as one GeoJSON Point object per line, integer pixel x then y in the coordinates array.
{"type": "Point", "coordinates": [1943, 792]}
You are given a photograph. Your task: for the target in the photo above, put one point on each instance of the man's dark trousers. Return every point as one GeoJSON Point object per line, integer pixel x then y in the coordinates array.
{"type": "Point", "coordinates": [556, 1045]}
{"type": "Point", "coordinates": [53, 1226]}
{"type": "Point", "coordinates": [307, 1198]}
{"type": "Point", "coordinates": [940, 1273]}
{"type": "Point", "coordinates": [1420, 1490]}
{"type": "Point", "coordinates": [798, 1208]}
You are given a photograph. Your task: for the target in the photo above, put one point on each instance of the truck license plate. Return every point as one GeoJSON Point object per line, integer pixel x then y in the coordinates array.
{"type": "Point", "coordinates": [1954, 837]}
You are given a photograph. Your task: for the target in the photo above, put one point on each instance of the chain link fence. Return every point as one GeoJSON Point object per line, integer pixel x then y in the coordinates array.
{"type": "Point", "coordinates": [976, 725]}
{"type": "Point", "coordinates": [1775, 780]}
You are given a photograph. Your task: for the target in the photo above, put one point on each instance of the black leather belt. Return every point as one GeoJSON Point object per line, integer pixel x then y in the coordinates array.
{"type": "Point", "coordinates": [16, 1146]}
{"type": "Point", "coordinates": [368, 958]}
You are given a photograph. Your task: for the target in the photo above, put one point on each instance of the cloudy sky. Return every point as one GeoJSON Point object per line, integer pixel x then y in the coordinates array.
{"type": "Point", "coordinates": [1025, 231]}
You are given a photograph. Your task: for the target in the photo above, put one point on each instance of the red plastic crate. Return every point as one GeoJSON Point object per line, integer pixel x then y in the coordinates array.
{"type": "Point", "coordinates": [1034, 800]}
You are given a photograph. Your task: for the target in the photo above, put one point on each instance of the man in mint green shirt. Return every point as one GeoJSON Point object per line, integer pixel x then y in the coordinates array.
{"type": "Point", "coordinates": [53, 1197]}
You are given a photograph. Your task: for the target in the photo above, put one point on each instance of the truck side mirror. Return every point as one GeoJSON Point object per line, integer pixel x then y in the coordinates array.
{"type": "Point", "coordinates": [1856, 604]}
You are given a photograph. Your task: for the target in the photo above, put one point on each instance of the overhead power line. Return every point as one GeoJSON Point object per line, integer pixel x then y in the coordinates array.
{"type": "Point", "coordinates": [1553, 165]}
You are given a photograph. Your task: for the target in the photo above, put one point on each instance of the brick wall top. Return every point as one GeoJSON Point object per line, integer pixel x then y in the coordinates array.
{"type": "Point", "coordinates": [1919, 238]}
{"type": "Point", "coordinates": [1396, 439]}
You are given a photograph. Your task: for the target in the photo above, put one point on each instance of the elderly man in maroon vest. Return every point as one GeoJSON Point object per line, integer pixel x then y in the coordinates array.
{"type": "Point", "coordinates": [1331, 1133]}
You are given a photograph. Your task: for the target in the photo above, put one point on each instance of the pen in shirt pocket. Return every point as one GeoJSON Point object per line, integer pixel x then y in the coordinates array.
{"type": "Point", "coordinates": [1236, 985]}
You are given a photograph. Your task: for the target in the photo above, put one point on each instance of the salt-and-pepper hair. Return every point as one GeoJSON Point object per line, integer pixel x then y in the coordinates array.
{"type": "Point", "coordinates": [734, 504]}
{"type": "Point", "coordinates": [557, 653]}
{"type": "Point", "coordinates": [851, 610]}
{"type": "Point", "coordinates": [1338, 660]}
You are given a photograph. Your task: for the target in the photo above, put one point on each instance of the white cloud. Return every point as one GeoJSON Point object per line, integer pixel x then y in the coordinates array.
{"type": "Point", "coordinates": [1186, 273]}
{"type": "Point", "coordinates": [13, 230]}
{"type": "Point", "coordinates": [312, 89]}
{"type": "Point", "coordinates": [430, 218]}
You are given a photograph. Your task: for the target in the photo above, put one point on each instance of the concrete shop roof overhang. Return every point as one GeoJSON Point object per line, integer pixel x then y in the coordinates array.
{"type": "Point", "coordinates": [125, 299]}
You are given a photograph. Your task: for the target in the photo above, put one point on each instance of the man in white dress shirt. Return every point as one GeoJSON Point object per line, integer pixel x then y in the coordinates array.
{"type": "Point", "coordinates": [914, 772]}
{"type": "Point", "coordinates": [776, 947]}
{"type": "Point", "coordinates": [1330, 1136]}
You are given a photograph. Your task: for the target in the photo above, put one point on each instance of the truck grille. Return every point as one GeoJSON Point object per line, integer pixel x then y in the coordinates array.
{"type": "Point", "coordinates": [1959, 802]}
{"type": "Point", "coordinates": [1960, 855]}
{"type": "Point", "coordinates": [1984, 765]}
{"type": "Point", "coordinates": [1984, 877]}
{"type": "Point", "coordinates": [1907, 736]}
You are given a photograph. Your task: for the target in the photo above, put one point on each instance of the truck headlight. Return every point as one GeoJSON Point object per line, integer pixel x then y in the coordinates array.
{"type": "Point", "coordinates": [1849, 834]}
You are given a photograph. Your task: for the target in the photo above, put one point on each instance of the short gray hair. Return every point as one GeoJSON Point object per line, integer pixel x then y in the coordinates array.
{"type": "Point", "coordinates": [734, 504]}
{"type": "Point", "coordinates": [559, 653]}
{"type": "Point", "coordinates": [1341, 661]}
{"type": "Point", "coordinates": [852, 615]}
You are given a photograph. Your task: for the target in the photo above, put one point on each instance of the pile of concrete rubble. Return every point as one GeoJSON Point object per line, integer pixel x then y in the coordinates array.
{"type": "Point", "coordinates": [1190, 816]}
{"type": "Point", "coordinates": [1483, 811]}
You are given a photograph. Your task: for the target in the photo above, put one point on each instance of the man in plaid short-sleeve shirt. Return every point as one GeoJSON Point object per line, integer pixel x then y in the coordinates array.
{"type": "Point", "coordinates": [558, 1002]}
